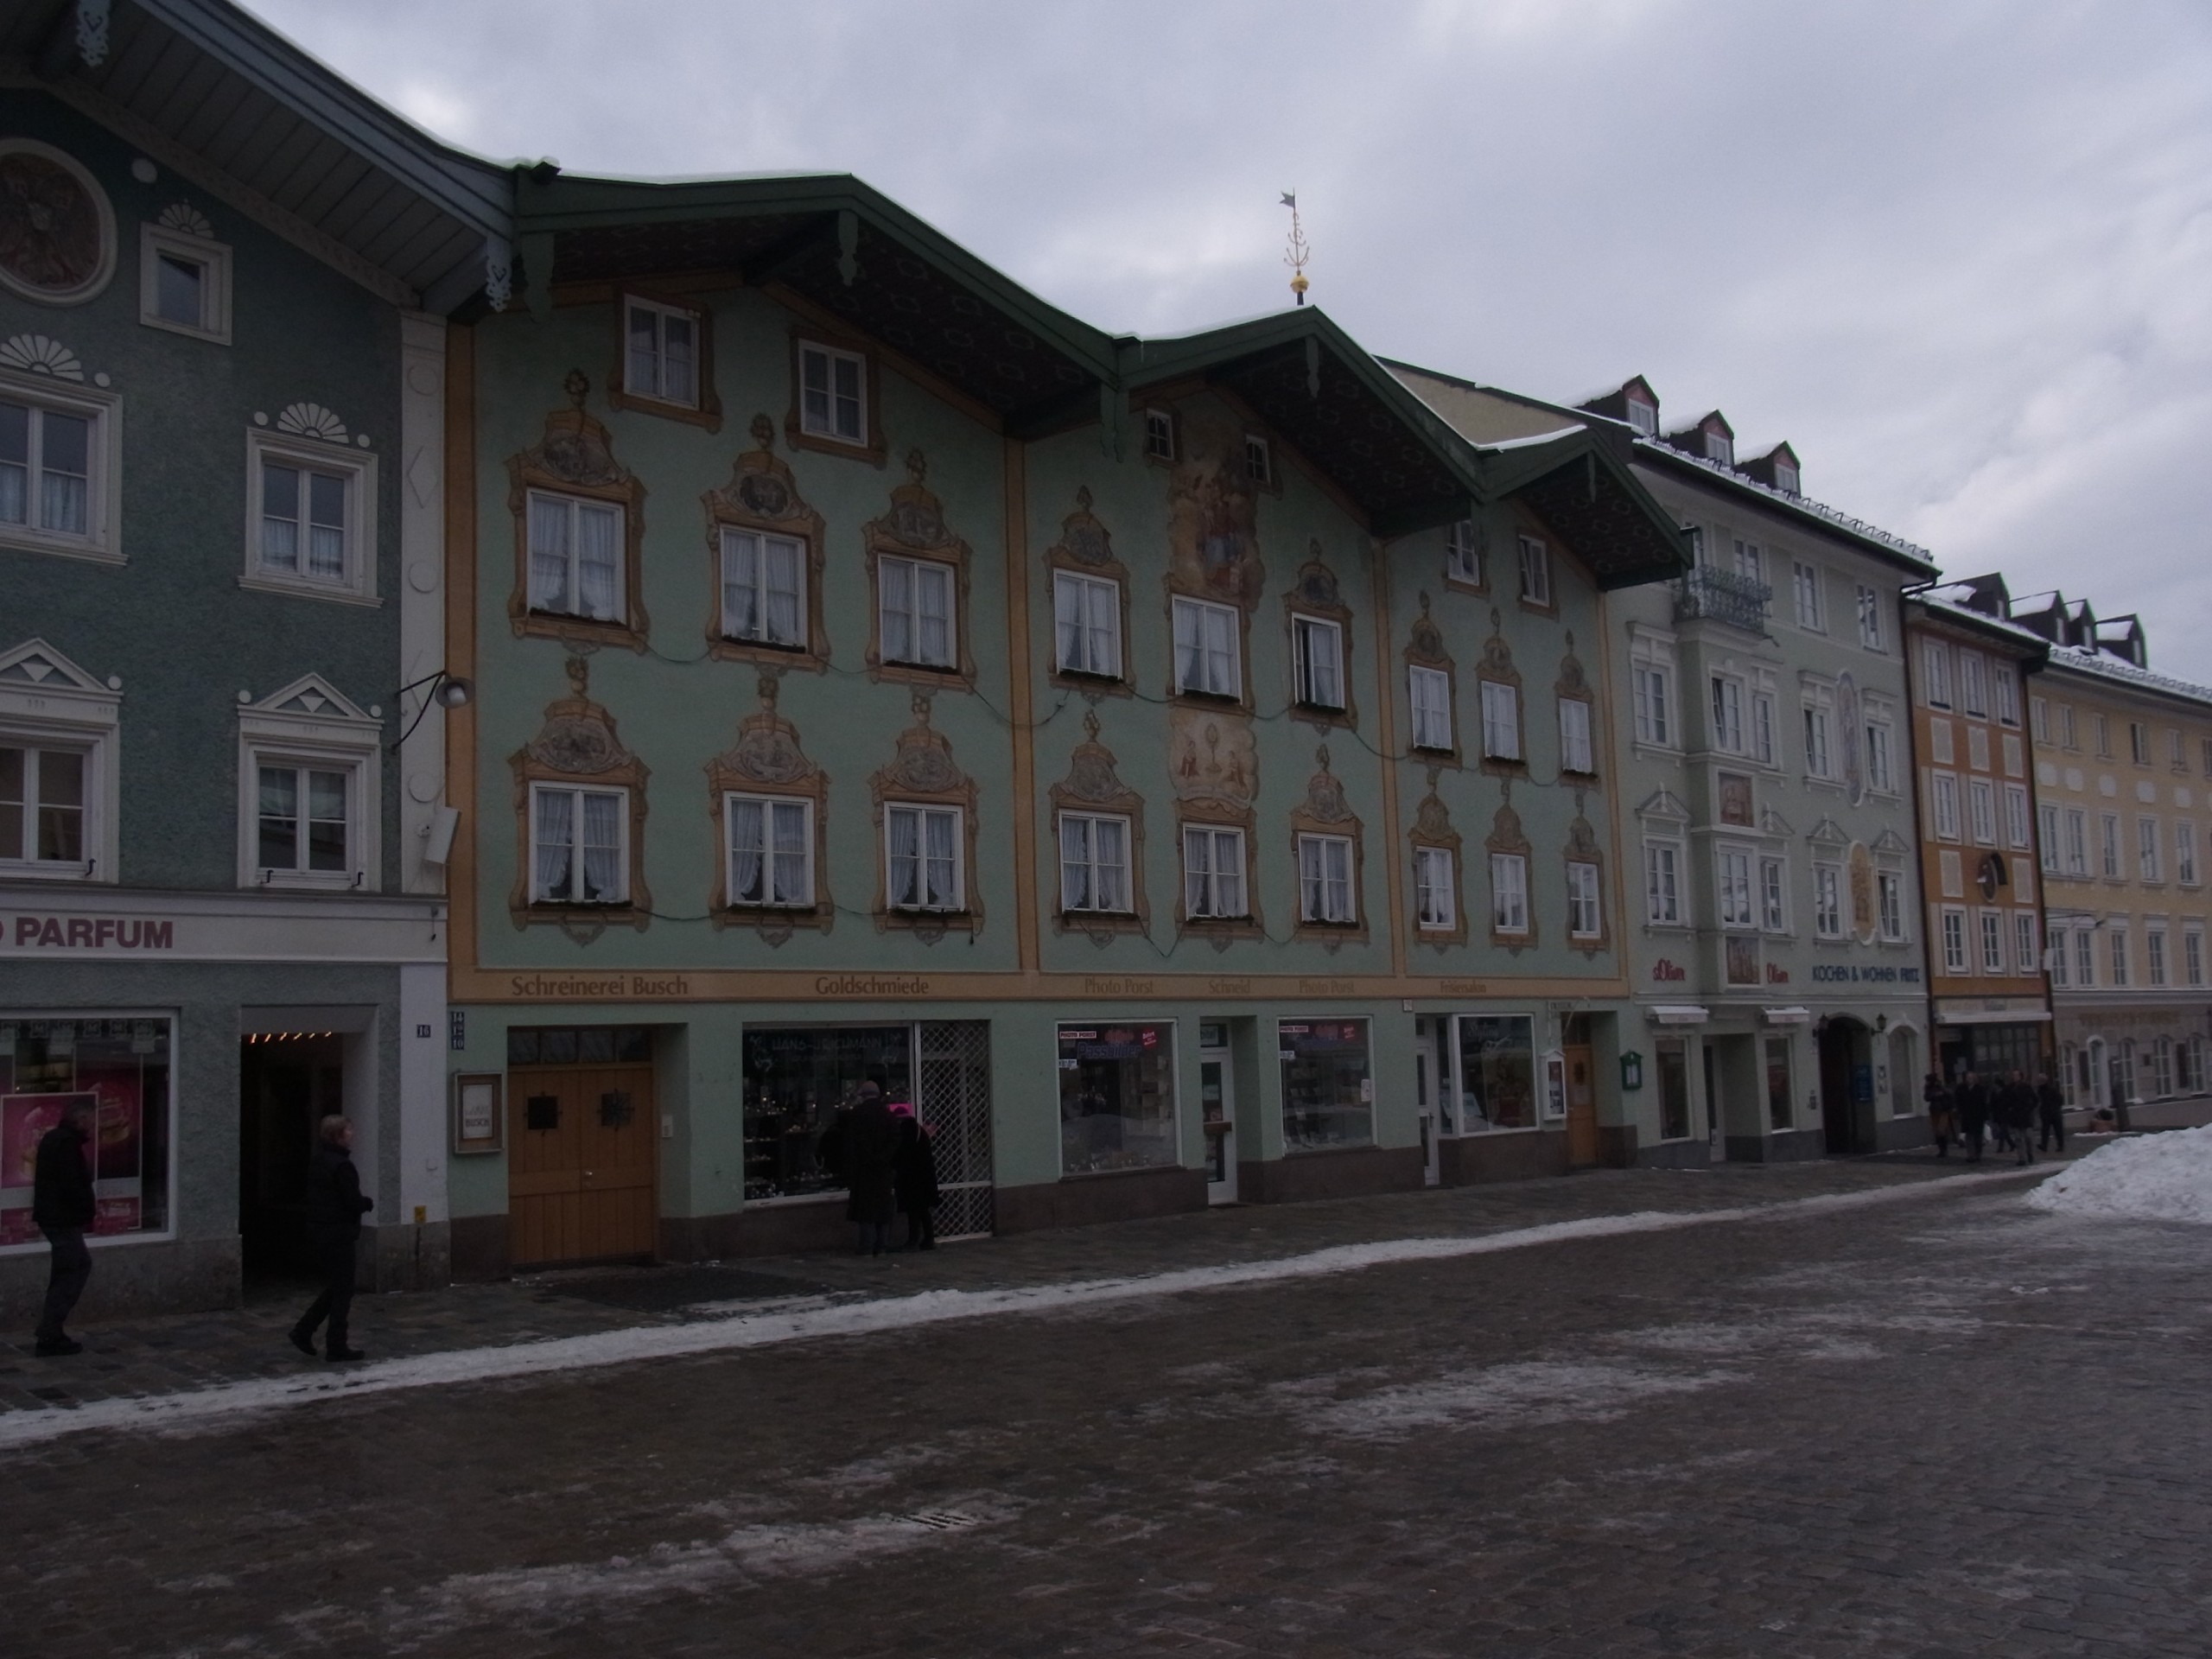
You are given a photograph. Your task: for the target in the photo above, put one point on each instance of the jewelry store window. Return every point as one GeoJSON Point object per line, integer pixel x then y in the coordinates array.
{"type": "Point", "coordinates": [120, 1065]}
{"type": "Point", "coordinates": [1117, 1097]}
{"type": "Point", "coordinates": [800, 1082]}
{"type": "Point", "coordinates": [1328, 1092]}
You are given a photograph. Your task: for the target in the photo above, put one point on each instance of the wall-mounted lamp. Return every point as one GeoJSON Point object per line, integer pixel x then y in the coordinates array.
{"type": "Point", "coordinates": [448, 691]}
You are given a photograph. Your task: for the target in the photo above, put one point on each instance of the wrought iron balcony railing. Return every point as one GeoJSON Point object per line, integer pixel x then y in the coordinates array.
{"type": "Point", "coordinates": [1724, 597]}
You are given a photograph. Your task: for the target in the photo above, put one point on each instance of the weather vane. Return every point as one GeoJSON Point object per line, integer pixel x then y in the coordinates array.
{"type": "Point", "coordinates": [1297, 253]}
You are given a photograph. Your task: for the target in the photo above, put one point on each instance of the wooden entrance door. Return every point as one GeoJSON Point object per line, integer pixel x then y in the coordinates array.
{"type": "Point", "coordinates": [1581, 1108]}
{"type": "Point", "coordinates": [580, 1164]}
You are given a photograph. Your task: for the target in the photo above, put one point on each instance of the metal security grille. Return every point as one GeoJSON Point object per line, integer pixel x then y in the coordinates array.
{"type": "Point", "coordinates": [956, 1104]}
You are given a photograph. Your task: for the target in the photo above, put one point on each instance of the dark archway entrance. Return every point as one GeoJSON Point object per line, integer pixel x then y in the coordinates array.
{"type": "Point", "coordinates": [1846, 1085]}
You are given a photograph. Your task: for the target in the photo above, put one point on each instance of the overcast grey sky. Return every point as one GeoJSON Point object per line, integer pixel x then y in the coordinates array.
{"type": "Point", "coordinates": [1959, 254]}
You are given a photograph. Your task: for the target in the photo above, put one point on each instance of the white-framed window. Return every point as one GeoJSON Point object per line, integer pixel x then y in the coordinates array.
{"type": "Point", "coordinates": [1881, 771]}
{"type": "Point", "coordinates": [1943, 793]}
{"type": "Point", "coordinates": [46, 801]}
{"type": "Point", "coordinates": [576, 556]}
{"type": "Point", "coordinates": [1954, 940]}
{"type": "Point", "coordinates": [2108, 844]}
{"type": "Point", "coordinates": [1213, 872]}
{"type": "Point", "coordinates": [1774, 895]}
{"type": "Point", "coordinates": [2047, 827]}
{"type": "Point", "coordinates": [1750, 561]}
{"type": "Point", "coordinates": [1318, 662]}
{"type": "Point", "coordinates": [1463, 553]}
{"type": "Point", "coordinates": [2085, 958]}
{"type": "Point", "coordinates": [1643, 417]}
{"type": "Point", "coordinates": [1733, 889]}
{"type": "Point", "coordinates": [1428, 690]}
{"type": "Point", "coordinates": [1820, 759]}
{"type": "Point", "coordinates": [2138, 743]}
{"type": "Point", "coordinates": [1870, 618]}
{"type": "Point", "coordinates": [1509, 892]}
{"type": "Point", "coordinates": [921, 857]}
{"type": "Point", "coordinates": [2101, 724]}
{"type": "Point", "coordinates": [763, 589]}
{"type": "Point", "coordinates": [2039, 719]}
{"type": "Point", "coordinates": [916, 612]}
{"type": "Point", "coordinates": [2015, 815]}
{"type": "Point", "coordinates": [1205, 649]}
{"type": "Point", "coordinates": [58, 468]}
{"type": "Point", "coordinates": [2059, 961]}
{"type": "Point", "coordinates": [1094, 862]}
{"type": "Point", "coordinates": [1158, 435]}
{"type": "Point", "coordinates": [184, 283]}
{"type": "Point", "coordinates": [1259, 464]}
{"type": "Point", "coordinates": [2119, 947]}
{"type": "Point", "coordinates": [1582, 915]}
{"type": "Point", "coordinates": [771, 850]}
{"type": "Point", "coordinates": [578, 845]}
{"type": "Point", "coordinates": [303, 820]}
{"type": "Point", "coordinates": [1974, 683]}
{"type": "Point", "coordinates": [1325, 892]}
{"type": "Point", "coordinates": [1654, 685]}
{"type": "Point", "coordinates": [1812, 601]}
{"type": "Point", "coordinates": [1435, 888]}
{"type": "Point", "coordinates": [2192, 955]}
{"type": "Point", "coordinates": [1785, 477]}
{"type": "Point", "coordinates": [1763, 749]}
{"type": "Point", "coordinates": [1501, 720]}
{"type": "Point", "coordinates": [2077, 841]}
{"type": "Point", "coordinates": [2154, 955]}
{"type": "Point", "coordinates": [833, 393]}
{"type": "Point", "coordinates": [1889, 892]}
{"type": "Point", "coordinates": [58, 768]}
{"type": "Point", "coordinates": [2069, 727]}
{"type": "Point", "coordinates": [2149, 841]}
{"type": "Point", "coordinates": [1992, 942]}
{"type": "Point", "coordinates": [1935, 673]}
{"type": "Point", "coordinates": [1727, 715]}
{"type": "Point", "coordinates": [2007, 682]}
{"type": "Point", "coordinates": [1828, 901]}
{"type": "Point", "coordinates": [310, 791]}
{"type": "Point", "coordinates": [2185, 854]}
{"type": "Point", "coordinates": [1981, 811]}
{"type": "Point", "coordinates": [1662, 886]}
{"type": "Point", "coordinates": [1086, 625]}
{"type": "Point", "coordinates": [1535, 571]}
{"type": "Point", "coordinates": [660, 353]}
{"type": "Point", "coordinates": [1719, 447]}
{"type": "Point", "coordinates": [1575, 750]}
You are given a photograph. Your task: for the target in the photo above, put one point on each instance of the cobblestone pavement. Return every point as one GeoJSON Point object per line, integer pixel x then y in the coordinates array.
{"type": "Point", "coordinates": [1945, 1424]}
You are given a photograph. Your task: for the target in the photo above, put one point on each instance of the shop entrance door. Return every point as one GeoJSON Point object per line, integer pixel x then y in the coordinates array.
{"type": "Point", "coordinates": [1428, 1099]}
{"type": "Point", "coordinates": [1217, 1110]}
{"type": "Point", "coordinates": [580, 1158]}
{"type": "Point", "coordinates": [288, 1082]}
{"type": "Point", "coordinates": [1581, 1108]}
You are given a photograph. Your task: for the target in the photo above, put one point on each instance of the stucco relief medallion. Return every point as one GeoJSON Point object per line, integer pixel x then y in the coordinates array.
{"type": "Point", "coordinates": [57, 232]}
{"type": "Point", "coordinates": [924, 762]}
{"type": "Point", "coordinates": [1213, 757]}
{"type": "Point", "coordinates": [1865, 911]}
{"type": "Point", "coordinates": [575, 446]}
{"type": "Point", "coordinates": [1324, 792]}
{"type": "Point", "coordinates": [577, 737]}
{"type": "Point", "coordinates": [1083, 538]}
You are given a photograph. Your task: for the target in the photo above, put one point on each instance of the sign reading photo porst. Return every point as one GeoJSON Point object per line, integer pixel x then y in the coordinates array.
{"type": "Point", "coordinates": [1328, 1093]}
{"type": "Point", "coordinates": [800, 1081]}
{"type": "Point", "coordinates": [1117, 1097]}
{"type": "Point", "coordinates": [120, 1067]}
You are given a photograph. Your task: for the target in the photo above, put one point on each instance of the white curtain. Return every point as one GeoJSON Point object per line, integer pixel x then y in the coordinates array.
{"type": "Point", "coordinates": [677, 382]}
{"type": "Point", "coordinates": [1318, 648]}
{"type": "Point", "coordinates": [644, 370]}
{"type": "Point", "coordinates": [1189, 674]}
{"type": "Point", "coordinates": [740, 585]}
{"type": "Point", "coordinates": [933, 613]}
{"type": "Point", "coordinates": [896, 609]}
{"type": "Point", "coordinates": [325, 525]}
{"type": "Point", "coordinates": [603, 848]}
{"type": "Point", "coordinates": [598, 590]}
{"type": "Point", "coordinates": [549, 553]}
{"type": "Point", "coordinates": [1111, 860]}
{"type": "Point", "coordinates": [14, 462]}
{"type": "Point", "coordinates": [1220, 627]}
{"type": "Point", "coordinates": [791, 855]}
{"type": "Point", "coordinates": [1075, 864]}
{"type": "Point", "coordinates": [938, 847]}
{"type": "Point", "coordinates": [906, 857]}
{"type": "Point", "coordinates": [748, 844]}
{"type": "Point", "coordinates": [1431, 712]}
{"type": "Point", "coordinates": [280, 516]}
{"type": "Point", "coordinates": [1574, 735]}
{"type": "Point", "coordinates": [783, 585]}
{"type": "Point", "coordinates": [1312, 897]}
{"type": "Point", "coordinates": [1067, 624]}
{"type": "Point", "coordinates": [1229, 872]}
{"type": "Point", "coordinates": [553, 845]}
{"type": "Point", "coordinates": [1500, 721]}
{"type": "Point", "coordinates": [1198, 866]}
{"type": "Point", "coordinates": [65, 467]}
{"type": "Point", "coordinates": [280, 807]}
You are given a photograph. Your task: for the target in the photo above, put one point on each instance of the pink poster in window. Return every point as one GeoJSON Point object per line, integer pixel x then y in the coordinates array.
{"type": "Point", "coordinates": [116, 1085]}
{"type": "Point", "coordinates": [115, 1216]}
{"type": "Point", "coordinates": [16, 1226]}
{"type": "Point", "coordinates": [23, 1120]}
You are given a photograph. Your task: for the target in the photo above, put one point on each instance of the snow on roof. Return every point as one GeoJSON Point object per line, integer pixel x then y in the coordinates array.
{"type": "Point", "coordinates": [1835, 516]}
{"type": "Point", "coordinates": [1950, 600]}
{"type": "Point", "coordinates": [1533, 439]}
{"type": "Point", "coordinates": [2084, 660]}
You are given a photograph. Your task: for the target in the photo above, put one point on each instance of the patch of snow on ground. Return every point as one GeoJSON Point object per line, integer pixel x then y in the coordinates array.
{"type": "Point", "coordinates": [2165, 1177]}
{"type": "Point", "coordinates": [1530, 1393]}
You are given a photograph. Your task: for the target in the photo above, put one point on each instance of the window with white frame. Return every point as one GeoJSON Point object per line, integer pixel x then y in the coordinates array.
{"type": "Point", "coordinates": [2047, 827]}
{"type": "Point", "coordinates": [1992, 942]}
{"type": "Point", "coordinates": [2192, 955]}
{"type": "Point", "coordinates": [1828, 901]}
{"type": "Point", "coordinates": [1651, 681]}
{"type": "Point", "coordinates": [1935, 673]}
{"type": "Point", "coordinates": [1259, 463]}
{"type": "Point", "coordinates": [2138, 743]}
{"type": "Point", "coordinates": [1575, 750]}
{"type": "Point", "coordinates": [2154, 955]}
{"type": "Point", "coordinates": [59, 765]}
{"type": "Point", "coordinates": [1764, 748]}
{"type": "Point", "coordinates": [1213, 872]}
{"type": "Point", "coordinates": [1086, 625]}
{"type": "Point", "coordinates": [1535, 571]}
{"type": "Point", "coordinates": [832, 394]}
{"type": "Point", "coordinates": [1206, 659]}
{"type": "Point", "coordinates": [1662, 889]}
{"type": "Point", "coordinates": [1812, 601]}
{"type": "Point", "coordinates": [2185, 854]}
{"type": "Point", "coordinates": [916, 612]}
{"type": "Point", "coordinates": [2108, 844]}
{"type": "Point", "coordinates": [771, 850]}
{"type": "Point", "coordinates": [1500, 721]}
{"type": "Point", "coordinates": [1318, 662]}
{"type": "Point", "coordinates": [2039, 719]}
{"type": "Point", "coordinates": [1429, 692]}
{"type": "Point", "coordinates": [1435, 896]}
{"type": "Point", "coordinates": [1820, 719]}
{"type": "Point", "coordinates": [1719, 447]}
{"type": "Point", "coordinates": [2007, 683]}
{"type": "Point", "coordinates": [1158, 435]}
{"type": "Point", "coordinates": [2069, 727]}
{"type": "Point", "coordinates": [763, 589]}
{"type": "Point", "coordinates": [1094, 862]}
{"type": "Point", "coordinates": [1509, 892]}
{"type": "Point", "coordinates": [1870, 618]}
{"type": "Point", "coordinates": [304, 819]}
{"type": "Point", "coordinates": [1463, 553]}
{"type": "Point", "coordinates": [1943, 794]}
{"type": "Point", "coordinates": [578, 845]}
{"type": "Point", "coordinates": [1733, 888]}
{"type": "Point", "coordinates": [1644, 416]}
{"type": "Point", "coordinates": [1774, 895]}
{"type": "Point", "coordinates": [46, 791]}
{"type": "Point", "coordinates": [1974, 683]}
{"type": "Point", "coordinates": [184, 283]}
{"type": "Point", "coordinates": [921, 857]}
{"type": "Point", "coordinates": [1727, 715]}
{"type": "Point", "coordinates": [2118, 936]}
{"type": "Point", "coordinates": [2149, 841]}
{"type": "Point", "coordinates": [2060, 961]}
{"type": "Point", "coordinates": [2085, 956]}
{"type": "Point", "coordinates": [1325, 892]}
{"type": "Point", "coordinates": [2077, 841]}
{"type": "Point", "coordinates": [1981, 811]}
{"type": "Point", "coordinates": [309, 786]}
{"type": "Point", "coordinates": [1582, 914]}
{"type": "Point", "coordinates": [660, 353]}
{"type": "Point", "coordinates": [1881, 771]}
{"type": "Point", "coordinates": [1954, 940]}
{"type": "Point", "coordinates": [2015, 815]}
{"type": "Point", "coordinates": [314, 519]}
{"type": "Point", "coordinates": [576, 556]}
{"type": "Point", "coordinates": [1889, 892]}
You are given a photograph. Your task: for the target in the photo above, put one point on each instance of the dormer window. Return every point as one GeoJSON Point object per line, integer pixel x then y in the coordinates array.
{"type": "Point", "coordinates": [661, 354]}
{"type": "Point", "coordinates": [1719, 447]}
{"type": "Point", "coordinates": [1644, 416]}
{"type": "Point", "coordinates": [833, 394]}
{"type": "Point", "coordinates": [1158, 435]}
{"type": "Point", "coordinates": [1785, 477]}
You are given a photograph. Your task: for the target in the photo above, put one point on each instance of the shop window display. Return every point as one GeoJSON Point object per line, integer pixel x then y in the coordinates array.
{"type": "Point", "coordinates": [798, 1084]}
{"type": "Point", "coordinates": [122, 1066]}
{"type": "Point", "coordinates": [1117, 1097]}
{"type": "Point", "coordinates": [1496, 1072]}
{"type": "Point", "coordinates": [1328, 1096]}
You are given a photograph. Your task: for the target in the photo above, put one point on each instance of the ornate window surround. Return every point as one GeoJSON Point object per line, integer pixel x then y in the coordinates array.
{"type": "Point", "coordinates": [1582, 847]}
{"type": "Point", "coordinates": [923, 772]}
{"type": "Point", "coordinates": [293, 442]}
{"type": "Point", "coordinates": [1424, 648]}
{"type": "Point", "coordinates": [57, 383]}
{"type": "Point", "coordinates": [312, 723]}
{"type": "Point", "coordinates": [763, 496]}
{"type": "Point", "coordinates": [768, 760]}
{"type": "Point", "coordinates": [1317, 595]}
{"type": "Point", "coordinates": [915, 529]}
{"type": "Point", "coordinates": [1573, 686]}
{"type": "Point", "coordinates": [45, 697]}
{"type": "Point", "coordinates": [186, 234]}
{"type": "Point", "coordinates": [707, 411]}
{"type": "Point", "coordinates": [1496, 666]}
{"type": "Point", "coordinates": [1324, 812]}
{"type": "Point", "coordinates": [1086, 549]}
{"type": "Point", "coordinates": [95, 282]}
{"type": "Point", "coordinates": [1094, 786]}
{"type": "Point", "coordinates": [578, 745]}
{"type": "Point", "coordinates": [574, 457]}
{"type": "Point", "coordinates": [1507, 837]}
{"type": "Point", "coordinates": [1432, 828]}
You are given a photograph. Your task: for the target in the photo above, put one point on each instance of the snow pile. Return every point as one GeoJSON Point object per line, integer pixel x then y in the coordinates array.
{"type": "Point", "coordinates": [2164, 1177]}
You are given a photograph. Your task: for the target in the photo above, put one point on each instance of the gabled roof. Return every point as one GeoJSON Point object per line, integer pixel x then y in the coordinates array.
{"type": "Point", "coordinates": [1964, 606]}
{"type": "Point", "coordinates": [218, 96]}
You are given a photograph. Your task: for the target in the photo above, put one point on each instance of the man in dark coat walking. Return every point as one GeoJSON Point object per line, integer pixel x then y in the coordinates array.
{"type": "Point", "coordinates": [2050, 1115]}
{"type": "Point", "coordinates": [2016, 1111]}
{"type": "Point", "coordinates": [871, 1147]}
{"type": "Point", "coordinates": [336, 1206]}
{"type": "Point", "coordinates": [914, 1175]}
{"type": "Point", "coordinates": [62, 1208]}
{"type": "Point", "coordinates": [1973, 1097]}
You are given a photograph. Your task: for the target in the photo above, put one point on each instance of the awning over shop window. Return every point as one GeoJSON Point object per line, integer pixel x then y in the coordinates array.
{"type": "Point", "coordinates": [1786, 1016]}
{"type": "Point", "coordinates": [1992, 1016]}
{"type": "Point", "coordinates": [1676, 1013]}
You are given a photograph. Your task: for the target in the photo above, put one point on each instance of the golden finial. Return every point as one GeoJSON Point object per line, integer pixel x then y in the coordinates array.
{"type": "Point", "coordinates": [1296, 254]}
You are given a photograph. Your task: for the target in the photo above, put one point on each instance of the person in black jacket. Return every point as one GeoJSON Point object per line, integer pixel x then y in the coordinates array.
{"type": "Point", "coordinates": [62, 1209]}
{"type": "Point", "coordinates": [913, 1173]}
{"type": "Point", "coordinates": [336, 1206]}
{"type": "Point", "coordinates": [2016, 1111]}
{"type": "Point", "coordinates": [871, 1145]}
{"type": "Point", "coordinates": [1942, 1113]}
{"type": "Point", "coordinates": [2050, 1115]}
